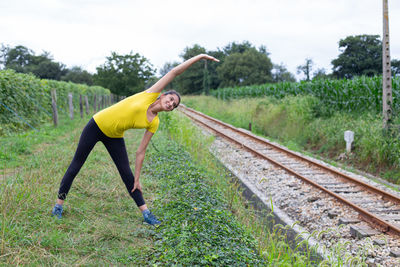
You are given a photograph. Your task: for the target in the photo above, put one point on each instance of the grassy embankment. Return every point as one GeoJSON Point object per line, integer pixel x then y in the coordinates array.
{"type": "Point", "coordinates": [205, 221]}
{"type": "Point", "coordinates": [297, 123]}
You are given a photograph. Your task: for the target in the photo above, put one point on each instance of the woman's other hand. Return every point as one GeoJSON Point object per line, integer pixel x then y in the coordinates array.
{"type": "Point", "coordinates": [137, 186]}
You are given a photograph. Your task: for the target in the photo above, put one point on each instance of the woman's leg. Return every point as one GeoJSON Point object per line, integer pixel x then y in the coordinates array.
{"type": "Point", "coordinates": [116, 148]}
{"type": "Point", "coordinates": [89, 137]}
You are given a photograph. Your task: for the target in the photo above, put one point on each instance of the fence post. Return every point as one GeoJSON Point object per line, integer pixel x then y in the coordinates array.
{"type": "Point", "coordinates": [99, 104]}
{"type": "Point", "coordinates": [81, 105]}
{"type": "Point", "coordinates": [71, 106]}
{"type": "Point", "coordinates": [54, 106]}
{"type": "Point", "coordinates": [87, 105]}
{"type": "Point", "coordinates": [95, 104]}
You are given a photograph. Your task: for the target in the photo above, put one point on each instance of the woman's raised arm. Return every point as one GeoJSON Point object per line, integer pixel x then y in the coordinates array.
{"type": "Point", "coordinates": [167, 78]}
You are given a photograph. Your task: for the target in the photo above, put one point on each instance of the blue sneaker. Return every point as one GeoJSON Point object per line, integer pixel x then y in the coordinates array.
{"type": "Point", "coordinates": [150, 218]}
{"type": "Point", "coordinates": [57, 211]}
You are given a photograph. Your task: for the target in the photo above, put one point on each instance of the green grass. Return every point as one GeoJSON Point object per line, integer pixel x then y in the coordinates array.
{"type": "Point", "coordinates": [206, 221]}
{"type": "Point", "coordinates": [102, 226]}
{"type": "Point", "coordinates": [13, 148]}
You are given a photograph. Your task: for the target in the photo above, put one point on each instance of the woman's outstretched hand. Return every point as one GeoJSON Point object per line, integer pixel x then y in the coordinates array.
{"type": "Point", "coordinates": [205, 56]}
{"type": "Point", "coordinates": [167, 78]}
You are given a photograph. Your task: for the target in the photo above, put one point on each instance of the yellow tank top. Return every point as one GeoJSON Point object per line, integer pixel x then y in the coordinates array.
{"type": "Point", "coordinates": [126, 114]}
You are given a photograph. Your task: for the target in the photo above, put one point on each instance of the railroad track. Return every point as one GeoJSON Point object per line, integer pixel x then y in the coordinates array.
{"type": "Point", "coordinates": [378, 208]}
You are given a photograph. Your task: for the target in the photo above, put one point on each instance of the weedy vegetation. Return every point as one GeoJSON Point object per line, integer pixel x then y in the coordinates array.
{"type": "Point", "coordinates": [224, 213]}
{"type": "Point", "coordinates": [358, 94]}
{"type": "Point", "coordinates": [300, 123]}
{"type": "Point", "coordinates": [205, 220]}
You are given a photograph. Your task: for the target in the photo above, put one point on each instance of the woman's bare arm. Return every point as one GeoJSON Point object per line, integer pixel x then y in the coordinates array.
{"type": "Point", "coordinates": [140, 153]}
{"type": "Point", "coordinates": [167, 78]}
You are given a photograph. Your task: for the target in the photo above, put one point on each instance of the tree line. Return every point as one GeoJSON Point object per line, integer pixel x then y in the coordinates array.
{"type": "Point", "coordinates": [241, 64]}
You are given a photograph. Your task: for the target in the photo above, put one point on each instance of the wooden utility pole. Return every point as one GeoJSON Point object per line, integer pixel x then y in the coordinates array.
{"type": "Point", "coordinates": [206, 79]}
{"type": "Point", "coordinates": [387, 99]}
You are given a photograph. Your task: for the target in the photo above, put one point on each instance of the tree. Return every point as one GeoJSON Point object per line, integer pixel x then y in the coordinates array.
{"type": "Point", "coordinates": [360, 55]}
{"type": "Point", "coordinates": [3, 53]}
{"type": "Point", "coordinates": [247, 68]}
{"type": "Point", "coordinates": [395, 67]}
{"type": "Point", "coordinates": [16, 58]}
{"type": "Point", "coordinates": [240, 64]}
{"type": "Point", "coordinates": [78, 75]}
{"type": "Point", "coordinates": [44, 67]}
{"type": "Point", "coordinates": [24, 60]}
{"type": "Point", "coordinates": [151, 81]}
{"type": "Point", "coordinates": [320, 74]}
{"type": "Point", "coordinates": [281, 74]}
{"type": "Point", "coordinates": [306, 68]}
{"type": "Point", "coordinates": [233, 48]}
{"type": "Point", "coordinates": [191, 81]}
{"type": "Point", "coordinates": [48, 69]}
{"type": "Point", "coordinates": [124, 74]}
{"type": "Point", "coordinates": [206, 79]}
{"type": "Point", "coordinates": [165, 69]}
{"type": "Point", "coordinates": [213, 79]}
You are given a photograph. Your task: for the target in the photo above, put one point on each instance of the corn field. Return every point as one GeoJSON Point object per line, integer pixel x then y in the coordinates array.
{"type": "Point", "coordinates": [353, 95]}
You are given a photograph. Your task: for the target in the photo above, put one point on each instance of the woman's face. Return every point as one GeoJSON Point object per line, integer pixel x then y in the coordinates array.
{"type": "Point", "coordinates": [169, 102]}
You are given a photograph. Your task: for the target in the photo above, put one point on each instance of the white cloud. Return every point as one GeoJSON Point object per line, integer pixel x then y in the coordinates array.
{"type": "Point", "coordinates": [84, 32]}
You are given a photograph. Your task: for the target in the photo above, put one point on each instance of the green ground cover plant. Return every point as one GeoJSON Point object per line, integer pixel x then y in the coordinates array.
{"type": "Point", "coordinates": [271, 241]}
{"type": "Point", "coordinates": [198, 227]}
{"type": "Point", "coordinates": [300, 123]}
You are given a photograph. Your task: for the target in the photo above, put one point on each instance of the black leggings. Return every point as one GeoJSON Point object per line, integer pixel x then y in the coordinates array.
{"type": "Point", "coordinates": [115, 146]}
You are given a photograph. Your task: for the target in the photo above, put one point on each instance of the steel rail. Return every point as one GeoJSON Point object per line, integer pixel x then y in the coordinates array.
{"type": "Point", "coordinates": [372, 218]}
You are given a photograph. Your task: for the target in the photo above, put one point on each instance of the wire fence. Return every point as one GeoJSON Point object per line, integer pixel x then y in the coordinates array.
{"type": "Point", "coordinates": [26, 102]}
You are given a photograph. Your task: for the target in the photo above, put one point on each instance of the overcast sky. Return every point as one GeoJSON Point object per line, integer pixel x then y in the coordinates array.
{"type": "Point", "coordinates": [83, 32]}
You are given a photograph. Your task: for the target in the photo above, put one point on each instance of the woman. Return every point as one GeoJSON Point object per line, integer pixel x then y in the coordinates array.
{"type": "Point", "coordinates": [109, 125]}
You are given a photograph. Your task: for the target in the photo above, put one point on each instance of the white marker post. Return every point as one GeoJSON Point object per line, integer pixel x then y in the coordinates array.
{"type": "Point", "coordinates": [349, 138]}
